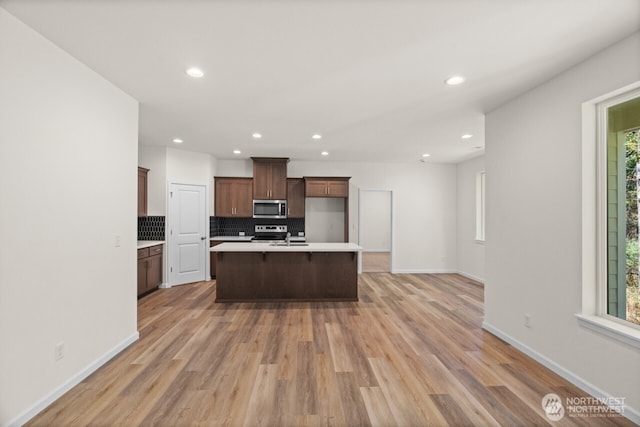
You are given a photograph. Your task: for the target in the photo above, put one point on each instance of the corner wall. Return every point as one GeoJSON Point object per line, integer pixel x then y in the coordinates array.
{"type": "Point", "coordinates": [67, 162]}
{"type": "Point", "coordinates": [533, 247]}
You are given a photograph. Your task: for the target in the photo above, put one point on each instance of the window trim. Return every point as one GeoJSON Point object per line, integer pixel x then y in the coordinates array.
{"type": "Point", "coordinates": [481, 201]}
{"type": "Point", "coordinates": [594, 315]}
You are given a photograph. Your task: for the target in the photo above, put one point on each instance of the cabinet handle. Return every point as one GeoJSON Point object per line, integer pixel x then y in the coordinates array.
{"type": "Point", "coordinates": [328, 190]}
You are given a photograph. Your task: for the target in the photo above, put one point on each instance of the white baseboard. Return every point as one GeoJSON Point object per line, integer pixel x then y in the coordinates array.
{"type": "Point", "coordinates": [471, 276]}
{"type": "Point", "coordinates": [629, 412]}
{"type": "Point", "coordinates": [46, 400]}
{"type": "Point", "coordinates": [164, 286]}
{"type": "Point", "coordinates": [427, 271]}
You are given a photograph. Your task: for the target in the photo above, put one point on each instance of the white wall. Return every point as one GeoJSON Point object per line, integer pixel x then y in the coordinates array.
{"type": "Point", "coordinates": [170, 165]}
{"type": "Point", "coordinates": [375, 221]}
{"type": "Point", "coordinates": [155, 159]}
{"type": "Point", "coordinates": [471, 257]}
{"type": "Point", "coordinates": [178, 166]}
{"type": "Point", "coordinates": [424, 205]}
{"type": "Point", "coordinates": [324, 219]}
{"type": "Point", "coordinates": [68, 161]}
{"type": "Point", "coordinates": [533, 247]}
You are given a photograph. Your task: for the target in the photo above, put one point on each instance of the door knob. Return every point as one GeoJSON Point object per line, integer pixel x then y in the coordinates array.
{"type": "Point", "coordinates": [202, 238]}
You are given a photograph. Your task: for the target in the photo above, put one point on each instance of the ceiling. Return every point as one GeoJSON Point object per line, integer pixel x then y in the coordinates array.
{"type": "Point", "coordinates": [367, 75]}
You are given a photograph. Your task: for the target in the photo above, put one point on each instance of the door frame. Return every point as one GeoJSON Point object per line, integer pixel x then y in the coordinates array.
{"type": "Point", "coordinates": [169, 238]}
{"type": "Point", "coordinates": [392, 225]}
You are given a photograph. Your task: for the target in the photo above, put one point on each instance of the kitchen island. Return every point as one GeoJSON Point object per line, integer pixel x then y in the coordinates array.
{"type": "Point", "coordinates": [299, 272]}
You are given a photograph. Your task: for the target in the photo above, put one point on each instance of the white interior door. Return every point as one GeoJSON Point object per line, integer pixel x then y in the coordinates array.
{"type": "Point", "coordinates": [187, 233]}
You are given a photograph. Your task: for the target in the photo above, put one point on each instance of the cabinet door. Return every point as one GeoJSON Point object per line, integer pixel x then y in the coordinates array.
{"type": "Point", "coordinates": [142, 191]}
{"type": "Point", "coordinates": [337, 189]}
{"type": "Point", "coordinates": [278, 181]}
{"type": "Point", "coordinates": [295, 198]}
{"type": "Point", "coordinates": [154, 271]}
{"type": "Point", "coordinates": [315, 188]}
{"type": "Point", "coordinates": [243, 198]}
{"type": "Point", "coordinates": [142, 275]}
{"type": "Point", "coordinates": [223, 197]}
{"type": "Point", "coordinates": [270, 179]}
{"type": "Point", "coordinates": [261, 179]}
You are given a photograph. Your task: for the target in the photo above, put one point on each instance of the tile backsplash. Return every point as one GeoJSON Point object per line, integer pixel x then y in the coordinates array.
{"type": "Point", "coordinates": [220, 226]}
{"type": "Point", "coordinates": [151, 228]}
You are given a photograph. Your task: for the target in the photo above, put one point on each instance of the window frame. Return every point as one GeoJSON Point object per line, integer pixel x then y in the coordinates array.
{"type": "Point", "coordinates": [594, 314]}
{"type": "Point", "coordinates": [481, 197]}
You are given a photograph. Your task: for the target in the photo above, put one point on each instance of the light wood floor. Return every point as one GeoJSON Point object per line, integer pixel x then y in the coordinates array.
{"type": "Point", "coordinates": [376, 262]}
{"type": "Point", "coordinates": [411, 352]}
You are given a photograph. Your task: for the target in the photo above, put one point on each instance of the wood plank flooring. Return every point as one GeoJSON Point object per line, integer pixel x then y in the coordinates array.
{"type": "Point", "coordinates": [411, 352]}
{"type": "Point", "coordinates": [376, 262]}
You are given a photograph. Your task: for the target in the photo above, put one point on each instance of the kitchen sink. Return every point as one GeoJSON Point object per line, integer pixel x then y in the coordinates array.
{"type": "Point", "coordinates": [290, 244]}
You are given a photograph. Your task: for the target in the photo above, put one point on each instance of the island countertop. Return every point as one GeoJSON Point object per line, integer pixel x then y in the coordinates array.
{"type": "Point", "coordinates": [295, 247]}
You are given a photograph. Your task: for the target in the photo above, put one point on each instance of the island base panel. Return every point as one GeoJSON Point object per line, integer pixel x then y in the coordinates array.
{"type": "Point", "coordinates": [294, 276]}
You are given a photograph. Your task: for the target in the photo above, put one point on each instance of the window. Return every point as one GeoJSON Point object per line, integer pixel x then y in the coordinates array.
{"type": "Point", "coordinates": [480, 206]}
{"type": "Point", "coordinates": [610, 237]}
{"type": "Point", "coordinates": [622, 177]}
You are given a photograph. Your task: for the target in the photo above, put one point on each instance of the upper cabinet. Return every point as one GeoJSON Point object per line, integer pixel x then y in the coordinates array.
{"type": "Point", "coordinates": [270, 178]}
{"type": "Point", "coordinates": [295, 197]}
{"type": "Point", "coordinates": [326, 186]}
{"type": "Point", "coordinates": [142, 191]}
{"type": "Point", "coordinates": [233, 197]}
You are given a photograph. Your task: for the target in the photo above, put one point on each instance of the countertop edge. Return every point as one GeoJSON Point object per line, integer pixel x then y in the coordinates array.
{"type": "Point", "coordinates": [148, 243]}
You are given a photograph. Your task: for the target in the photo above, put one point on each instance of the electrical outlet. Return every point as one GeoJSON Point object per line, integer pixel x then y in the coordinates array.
{"type": "Point", "coordinates": [527, 320]}
{"type": "Point", "coordinates": [59, 350]}
{"type": "Point", "coordinates": [118, 240]}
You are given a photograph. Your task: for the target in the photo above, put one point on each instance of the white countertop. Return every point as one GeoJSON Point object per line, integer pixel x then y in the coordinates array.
{"type": "Point", "coordinates": [267, 247]}
{"type": "Point", "coordinates": [248, 238]}
{"type": "Point", "coordinates": [148, 243]}
{"type": "Point", "coordinates": [231, 238]}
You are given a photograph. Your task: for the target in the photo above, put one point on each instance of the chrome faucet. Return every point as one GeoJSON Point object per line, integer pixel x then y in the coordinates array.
{"type": "Point", "coordinates": [288, 239]}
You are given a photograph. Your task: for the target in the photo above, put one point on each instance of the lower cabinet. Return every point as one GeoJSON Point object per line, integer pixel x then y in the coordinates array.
{"type": "Point", "coordinates": [149, 268]}
{"type": "Point", "coordinates": [213, 265]}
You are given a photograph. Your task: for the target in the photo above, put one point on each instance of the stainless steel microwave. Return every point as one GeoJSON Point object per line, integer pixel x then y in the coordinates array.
{"type": "Point", "coordinates": [269, 208]}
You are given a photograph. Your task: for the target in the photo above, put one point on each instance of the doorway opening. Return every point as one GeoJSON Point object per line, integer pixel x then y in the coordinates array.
{"type": "Point", "coordinates": [375, 230]}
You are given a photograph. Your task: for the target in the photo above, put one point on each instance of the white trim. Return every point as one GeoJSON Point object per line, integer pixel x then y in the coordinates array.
{"type": "Point", "coordinates": [56, 393]}
{"type": "Point", "coordinates": [629, 412]}
{"type": "Point", "coordinates": [165, 285]}
{"type": "Point", "coordinates": [471, 276]}
{"type": "Point", "coordinates": [426, 271]}
{"type": "Point", "coordinates": [611, 328]}
{"type": "Point", "coordinates": [594, 215]}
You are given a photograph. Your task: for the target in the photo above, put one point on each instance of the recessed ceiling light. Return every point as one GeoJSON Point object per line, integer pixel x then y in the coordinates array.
{"type": "Point", "coordinates": [325, 153]}
{"type": "Point", "coordinates": [256, 135]}
{"type": "Point", "coordinates": [178, 141]}
{"type": "Point", "coordinates": [237, 152]}
{"type": "Point", "coordinates": [316, 136]}
{"type": "Point", "coordinates": [195, 72]}
{"type": "Point", "coordinates": [426, 155]}
{"type": "Point", "coordinates": [466, 136]}
{"type": "Point", "coordinates": [455, 80]}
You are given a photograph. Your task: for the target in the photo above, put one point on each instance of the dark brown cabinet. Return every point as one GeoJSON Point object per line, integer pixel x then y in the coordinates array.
{"type": "Point", "coordinates": [142, 191]}
{"type": "Point", "coordinates": [327, 186]}
{"type": "Point", "coordinates": [149, 268]}
{"type": "Point", "coordinates": [295, 197]}
{"type": "Point", "coordinates": [212, 259]}
{"type": "Point", "coordinates": [233, 197]}
{"type": "Point", "coordinates": [270, 178]}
